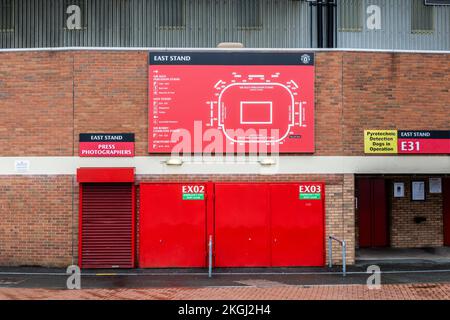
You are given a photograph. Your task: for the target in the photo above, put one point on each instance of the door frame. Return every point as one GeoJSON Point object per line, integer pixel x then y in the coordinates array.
{"type": "Point", "coordinates": [388, 207]}
{"type": "Point", "coordinates": [446, 210]}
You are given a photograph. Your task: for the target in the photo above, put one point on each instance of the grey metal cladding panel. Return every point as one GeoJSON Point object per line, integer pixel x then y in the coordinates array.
{"type": "Point", "coordinates": [395, 30]}
{"type": "Point", "coordinates": [134, 23]}
{"type": "Point", "coordinates": [209, 22]}
{"type": "Point", "coordinates": [120, 23]}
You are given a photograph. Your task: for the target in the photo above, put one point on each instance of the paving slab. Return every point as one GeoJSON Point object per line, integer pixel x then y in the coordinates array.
{"type": "Point", "coordinates": [425, 291]}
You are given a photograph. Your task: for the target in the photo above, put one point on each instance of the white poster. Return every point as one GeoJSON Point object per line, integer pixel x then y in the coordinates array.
{"type": "Point", "coordinates": [418, 190]}
{"type": "Point", "coordinates": [399, 189]}
{"type": "Point", "coordinates": [435, 185]}
{"type": "Point", "coordinates": [21, 166]}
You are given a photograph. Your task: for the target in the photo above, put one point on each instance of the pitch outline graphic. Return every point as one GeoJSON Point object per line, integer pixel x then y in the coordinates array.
{"type": "Point", "coordinates": [221, 108]}
{"type": "Point", "coordinates": [241, 109]}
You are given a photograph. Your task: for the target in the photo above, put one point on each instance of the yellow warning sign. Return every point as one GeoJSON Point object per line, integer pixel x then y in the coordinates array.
{"type": "Point", "coordinates": [380, 141]}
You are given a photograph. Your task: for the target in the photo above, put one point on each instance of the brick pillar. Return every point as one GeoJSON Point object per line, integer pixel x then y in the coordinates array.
{"type": "Point", "coordinates": [340, 218]}
{"type": "Point", "coordinates": [349, 216]}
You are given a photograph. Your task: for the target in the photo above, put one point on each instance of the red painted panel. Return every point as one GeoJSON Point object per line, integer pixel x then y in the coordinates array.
{"type": "Point", "coordinates": [446, 195]}
{"type": "Point", "coordinates": [242, 225]}
{"type": "Point", "coordinates": [105, 175]}
{"type": "Point", "coordinates": [106, 225]}
{"type": "Point", "coordinates": [364, 212]}
{"type": "Point", "coordinates": [380, 237]}
{"type": "Point", "coordinates": [172, 231]}
{"type": "Point", "coordinates": [297, 226]}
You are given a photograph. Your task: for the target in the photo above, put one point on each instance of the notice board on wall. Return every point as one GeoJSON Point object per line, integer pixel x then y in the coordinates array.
{"type": "Point", "coordinates": [231, 102]}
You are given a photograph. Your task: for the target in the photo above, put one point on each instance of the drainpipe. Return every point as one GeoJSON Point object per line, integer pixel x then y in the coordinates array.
{"type": "Point", "coordinates": [335, 23]}
{"type": "Point", "coordinates": [330, 7]}
{"type": "Point", "coordinates": [319, 24]}
{"type": "Point", "coordinates": [310, 25]}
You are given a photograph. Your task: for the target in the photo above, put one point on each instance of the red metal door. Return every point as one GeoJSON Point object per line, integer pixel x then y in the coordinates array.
{"type": "Point", "coordinates": [380, 236]}
{"type": "Point", "coordinates": [372, 213]}
{"type": "Point", "coordinates": [106, 225]}
{"type": "Point", "coordinates": [242, 225]}
{"type": "Point", "coordinates": [297, 212]}
{"type": "Point", "coordinates": [446, 195]}
{"type": "Point", "coordinates": [364, 191]}
{"type": "Point", "coordinates": [172, 225]}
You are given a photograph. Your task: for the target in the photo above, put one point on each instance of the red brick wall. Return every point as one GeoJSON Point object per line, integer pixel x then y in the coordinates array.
{"type": "Point", "coordinates": [394, 91]}
{"type": "Point", "coordinates": [36, 104]}
{"type": "Point", "coordinates": [48, 98]}
{"type": "Point", "coordinates": [36, 220]}
{"type": "Point", "coordinates": [405, 233]}
{"type": "Point", "coordinates": [111, 94]}
{"type": "Point", "coordinates": [328, 104]}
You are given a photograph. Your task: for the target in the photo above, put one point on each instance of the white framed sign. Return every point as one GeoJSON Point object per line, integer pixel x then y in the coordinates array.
{"type": "Point", "coordinates": [399, 189]}
{"type": "Point", "coordinates": [418, 191]}
{"type": "Point", "coordinates": [435, 185]}
{"type": "Point", "coordinates": [21, 166]}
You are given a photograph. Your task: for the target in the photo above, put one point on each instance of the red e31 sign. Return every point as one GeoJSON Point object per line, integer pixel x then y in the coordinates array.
{"type": "Point", "coordinates": [426, 142]}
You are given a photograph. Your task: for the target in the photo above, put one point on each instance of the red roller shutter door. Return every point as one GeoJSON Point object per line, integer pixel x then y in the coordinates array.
{"type": "Point", "coordinates": [107, 225]}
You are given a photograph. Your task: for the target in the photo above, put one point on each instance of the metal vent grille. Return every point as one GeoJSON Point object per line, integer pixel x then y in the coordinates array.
{"type": "Point", "coordinates": [107, 226]}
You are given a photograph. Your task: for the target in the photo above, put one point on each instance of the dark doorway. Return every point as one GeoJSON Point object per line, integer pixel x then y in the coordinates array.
{"type": "Point", "coordinates": [446, 207]}
{"type": "Point", "coordinates": [372, 212]}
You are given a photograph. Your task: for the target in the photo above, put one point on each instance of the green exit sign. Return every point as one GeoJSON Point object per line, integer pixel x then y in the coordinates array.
{"type": "Point", "coordinates": [193, 196]}
{"type": "Point", "coordinates": [309, 196]}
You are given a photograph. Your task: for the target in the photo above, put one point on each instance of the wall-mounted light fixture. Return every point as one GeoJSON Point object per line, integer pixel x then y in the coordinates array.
{"type": "Point", "coordinates": [174, 162]}
{"type": "Point", "coordinates": [230, 45]}
{"type": "Point", "coordinates": [267, 161]}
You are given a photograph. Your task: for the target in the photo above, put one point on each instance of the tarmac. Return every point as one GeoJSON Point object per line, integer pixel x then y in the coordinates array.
{"type": "Point", "coordinates": [390, 273]}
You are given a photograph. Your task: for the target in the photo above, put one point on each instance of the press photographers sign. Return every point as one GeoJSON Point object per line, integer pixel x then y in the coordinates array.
{"type": "Point", "coordinates": [106, 145]}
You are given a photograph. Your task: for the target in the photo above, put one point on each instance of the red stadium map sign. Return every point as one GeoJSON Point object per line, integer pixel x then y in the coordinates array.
{"type": "Point", "coordinates": [216, 102]}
